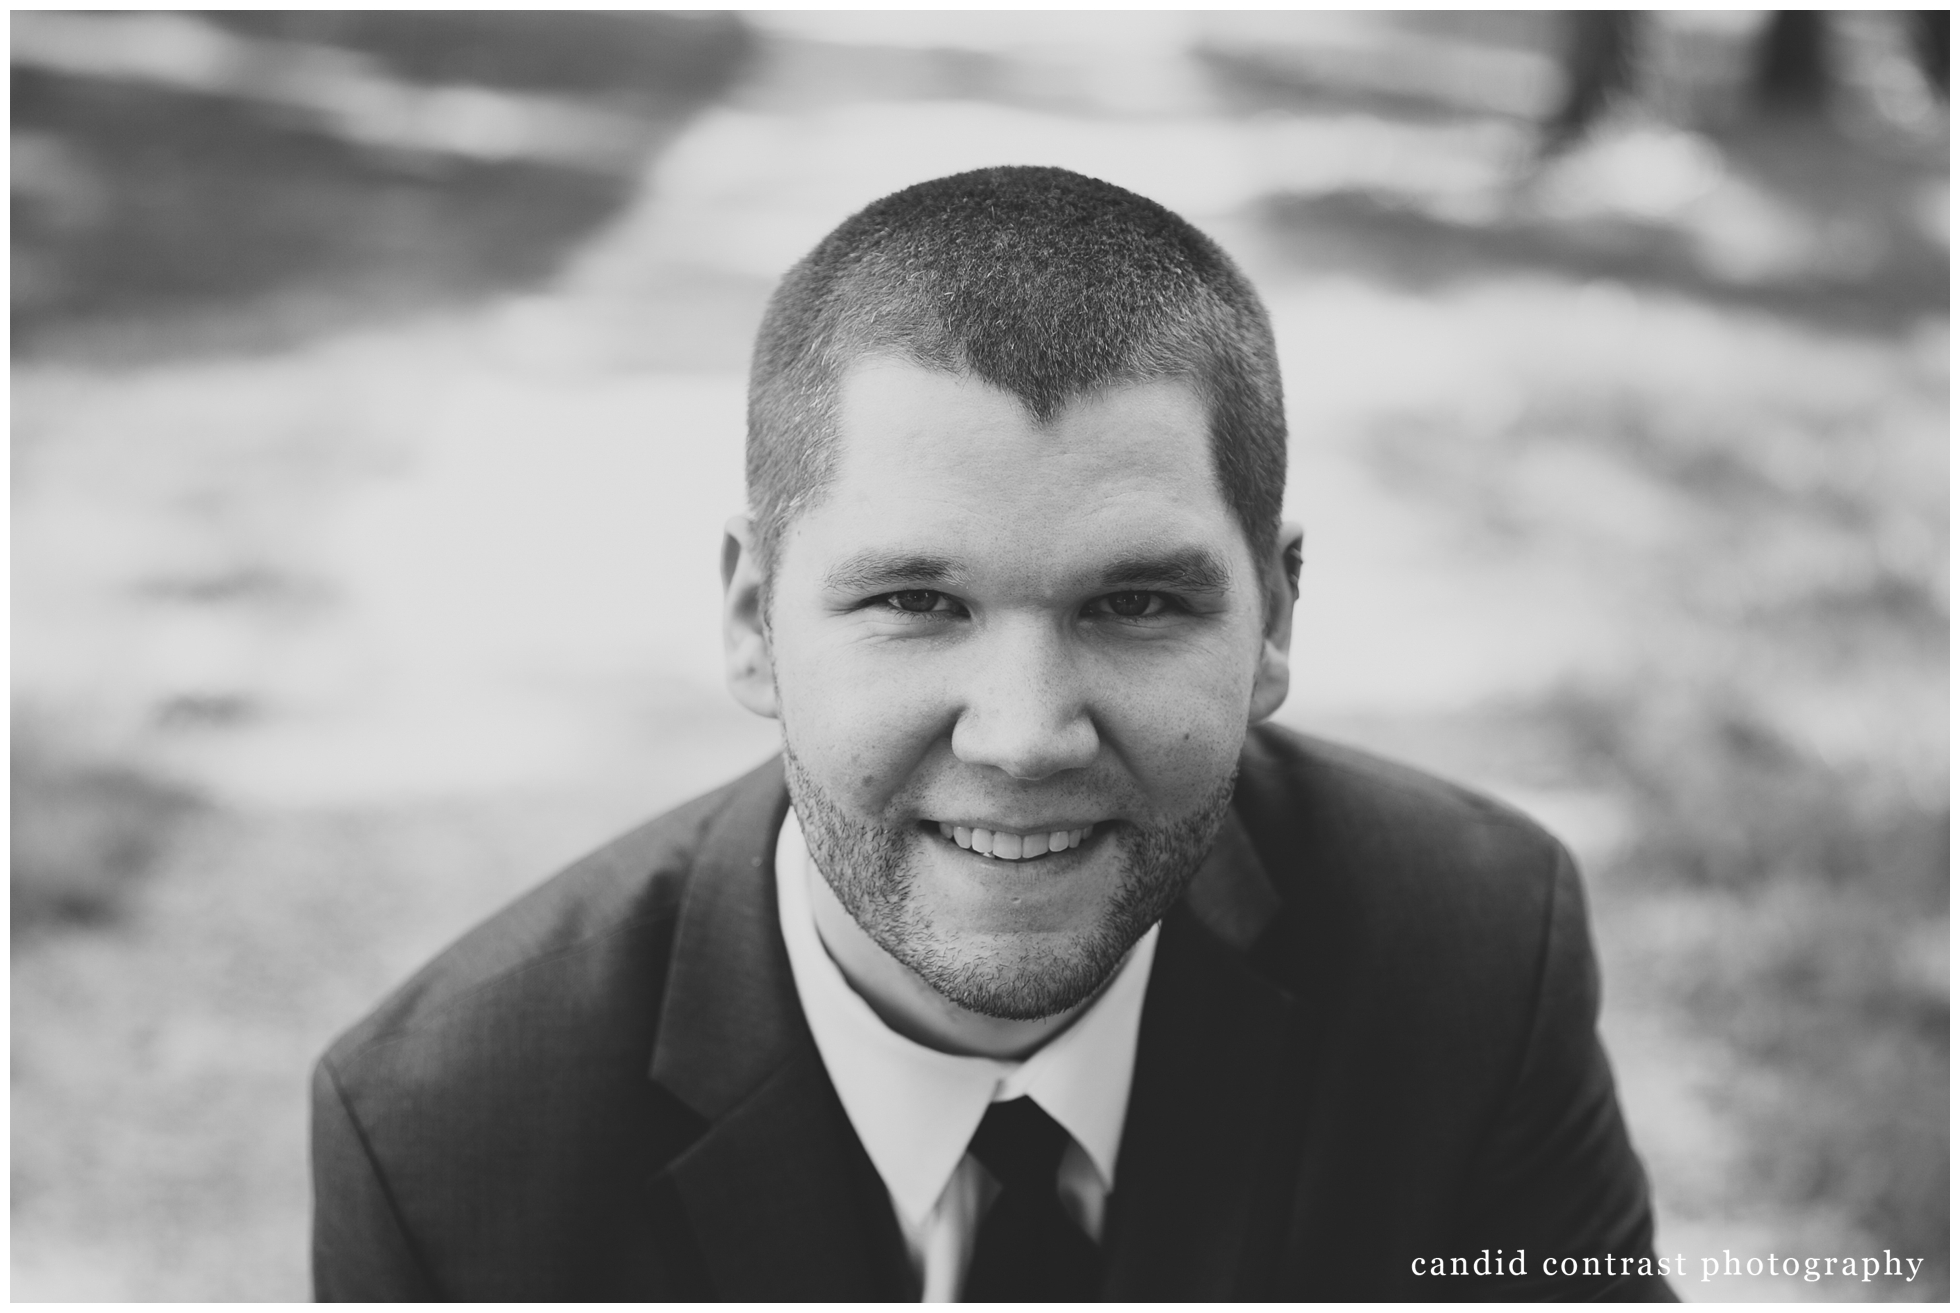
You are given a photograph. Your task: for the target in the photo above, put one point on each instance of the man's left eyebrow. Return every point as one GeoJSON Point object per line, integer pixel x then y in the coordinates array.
{"type": "Point", "coordinates": [1193, 570]}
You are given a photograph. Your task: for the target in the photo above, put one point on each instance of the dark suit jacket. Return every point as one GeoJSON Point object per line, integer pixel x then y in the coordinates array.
{"type": "Point", "coordinates": [1368, 1039]}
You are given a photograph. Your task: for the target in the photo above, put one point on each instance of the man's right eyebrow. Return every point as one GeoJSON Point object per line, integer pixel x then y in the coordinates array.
{"type": "Point", "coordinates": [872, 572]}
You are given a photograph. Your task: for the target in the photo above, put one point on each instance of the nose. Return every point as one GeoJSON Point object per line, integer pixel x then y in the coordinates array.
{"type": "Point", "coordinates": [1026, 711]}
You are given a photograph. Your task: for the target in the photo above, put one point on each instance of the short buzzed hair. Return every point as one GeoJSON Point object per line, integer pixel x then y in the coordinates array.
{"type": "Point", "coordinates": [1042, 282]}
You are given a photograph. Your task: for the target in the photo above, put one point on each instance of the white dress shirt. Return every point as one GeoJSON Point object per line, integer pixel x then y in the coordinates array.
{"type": "Point", "coordinates": [915, 1108]}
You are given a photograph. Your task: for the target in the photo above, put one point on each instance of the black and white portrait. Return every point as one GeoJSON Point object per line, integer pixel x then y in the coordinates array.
{"type": "Point", "coordinates": [991, 656]}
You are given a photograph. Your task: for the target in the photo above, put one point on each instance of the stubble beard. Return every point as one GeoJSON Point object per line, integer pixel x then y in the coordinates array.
{"type": "Point", "coordinates": [868, 867]}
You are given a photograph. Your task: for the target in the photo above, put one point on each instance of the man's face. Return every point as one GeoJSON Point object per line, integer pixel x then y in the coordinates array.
{"type": "Point", "coordinates": [1015, 665]}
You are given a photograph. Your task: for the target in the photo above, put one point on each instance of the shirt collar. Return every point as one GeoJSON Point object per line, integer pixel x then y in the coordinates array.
{"type": "Point", "coordinates": [915, 1108]}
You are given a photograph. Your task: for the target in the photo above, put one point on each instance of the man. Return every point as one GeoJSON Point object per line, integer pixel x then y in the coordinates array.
{"type": "Point", "coordinates": [1037, 967]}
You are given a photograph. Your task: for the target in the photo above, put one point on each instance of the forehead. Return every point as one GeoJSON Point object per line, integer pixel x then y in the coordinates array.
{"type": "Point", "coordinates": [950, 465]}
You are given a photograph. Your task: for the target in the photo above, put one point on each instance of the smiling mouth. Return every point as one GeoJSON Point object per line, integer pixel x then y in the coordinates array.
{"type": "Point", "coordinates": [1011, 847]}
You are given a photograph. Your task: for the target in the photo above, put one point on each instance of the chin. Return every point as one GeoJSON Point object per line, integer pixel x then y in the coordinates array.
{"type": "Point", "coordinates": [1014, 940]}
{"type": "Point", "coordinates": [1019, 977]}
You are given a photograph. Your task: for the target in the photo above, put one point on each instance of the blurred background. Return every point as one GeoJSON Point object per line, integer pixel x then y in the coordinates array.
{"type": "Point", "coordinates": [377, 399]}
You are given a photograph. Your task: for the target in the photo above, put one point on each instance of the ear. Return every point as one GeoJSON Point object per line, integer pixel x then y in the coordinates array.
{"type": "Point", "coordinates": [744, 633]}
{"type": "Point", "coordinates": [1273, 677]}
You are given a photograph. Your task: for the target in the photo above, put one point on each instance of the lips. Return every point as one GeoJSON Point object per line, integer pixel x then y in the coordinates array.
{"type": "Point", "coordinates": [1011, 846]}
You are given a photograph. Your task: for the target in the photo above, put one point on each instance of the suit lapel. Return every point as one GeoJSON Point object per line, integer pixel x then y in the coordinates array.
{"type": "Point", "coordinates": [782, 1200]}
{"type": "Point", "coordinates": [1197, 1213]}
{"type": "Point", "coordinates": [784, 1203]}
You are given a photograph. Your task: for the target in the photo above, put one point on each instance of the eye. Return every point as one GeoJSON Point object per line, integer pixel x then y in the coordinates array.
{"type": "Point", "coordinates": [1133, 606]}
{"type": "Point", "coordinates": [917, 601]}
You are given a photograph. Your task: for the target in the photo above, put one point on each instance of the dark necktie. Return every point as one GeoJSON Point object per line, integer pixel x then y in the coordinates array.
{"type": "Point", "coordinates": [1028, 1248]}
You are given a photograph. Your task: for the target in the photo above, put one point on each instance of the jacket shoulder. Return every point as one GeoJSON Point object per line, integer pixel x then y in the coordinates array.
{"type": "Point", "coordinates": [1437, 944]}
{"type": "Point", "coordinates": [1352, 811]}
{"type": "Point", "coordinates": [488, 1130]}
{"type": "Point", "coordinates": [627, 892]}
{"type": "Point", "coordinates": [1366, 788]}
{"type": "Point", "coordinates": [1428, 906]}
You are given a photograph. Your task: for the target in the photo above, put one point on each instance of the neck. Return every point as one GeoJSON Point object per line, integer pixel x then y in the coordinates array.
{"type": "Point", "coordinates": [906, 1003]}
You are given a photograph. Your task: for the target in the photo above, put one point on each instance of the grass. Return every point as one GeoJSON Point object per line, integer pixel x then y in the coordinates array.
{"type": "Point", "coordinates": [1765, 505]}
{"type": "Point", "coordinates": [1808, 935]}
{"type": "Point", "coordinates": [151, 221]}
{"type": "Point", "coordinates": [84, 832]}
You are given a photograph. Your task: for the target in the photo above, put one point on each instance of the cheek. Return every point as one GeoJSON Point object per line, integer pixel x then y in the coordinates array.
{"type": "Point", "coordinates": [861, 734]}
{"type": "Point", "coordinates": [1181, 731]}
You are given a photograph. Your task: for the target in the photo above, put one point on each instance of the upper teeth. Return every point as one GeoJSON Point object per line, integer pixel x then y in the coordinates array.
{"type": "Point", "coordinates": [1014, 847]}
